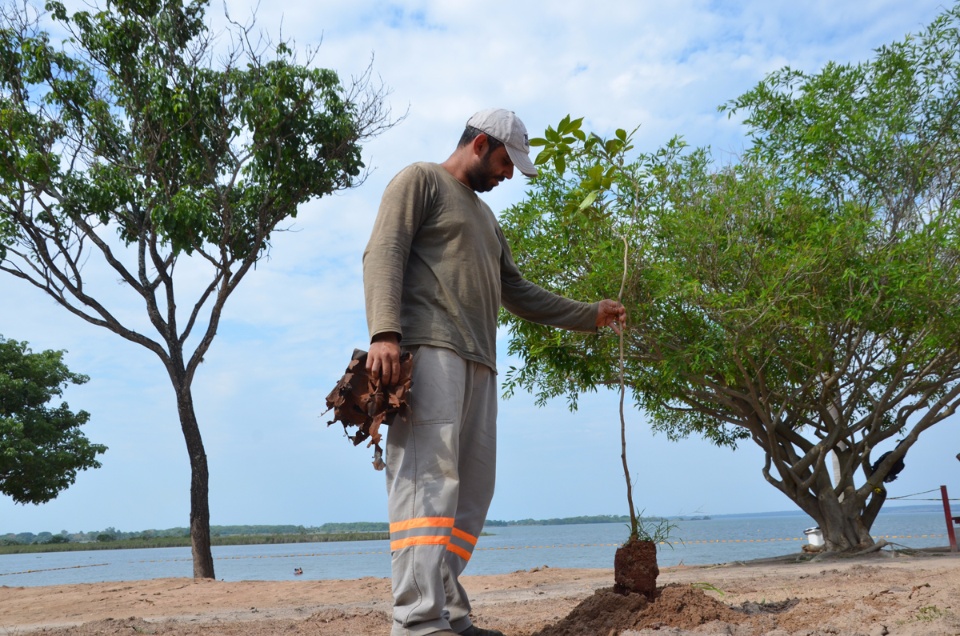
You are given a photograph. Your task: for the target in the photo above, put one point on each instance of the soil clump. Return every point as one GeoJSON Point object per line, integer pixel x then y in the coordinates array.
{"type": "Point", "coordinates": [635, 568]}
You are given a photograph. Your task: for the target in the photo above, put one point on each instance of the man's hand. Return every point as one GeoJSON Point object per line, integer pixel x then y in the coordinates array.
{"type": "Point", "coordinates": [611, 314]}
{"type": "Point", "coordinates": [383, 359]}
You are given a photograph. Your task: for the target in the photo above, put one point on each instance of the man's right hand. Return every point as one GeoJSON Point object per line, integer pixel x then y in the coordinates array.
{"type": "Point", "coordinates": [383, 359]}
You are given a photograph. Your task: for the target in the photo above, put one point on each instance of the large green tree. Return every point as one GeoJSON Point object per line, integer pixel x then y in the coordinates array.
{"type": "Point", "coordinates": [806, 298]}
{"type": "Point", "coordinates": [142, 146]}
{"type": "Point", "coordinates": [41, 445]}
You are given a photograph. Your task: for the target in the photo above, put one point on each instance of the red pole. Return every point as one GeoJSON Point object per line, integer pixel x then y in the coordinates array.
{"type": "Point", "coordinates": [946, 512]}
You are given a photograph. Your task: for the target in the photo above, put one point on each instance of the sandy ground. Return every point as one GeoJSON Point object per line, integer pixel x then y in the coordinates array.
{"type": "Point", "coordinates": [883, 593]}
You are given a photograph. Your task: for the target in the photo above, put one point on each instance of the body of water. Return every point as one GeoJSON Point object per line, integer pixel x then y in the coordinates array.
{"type": "Point", "coordinates": [721, 539]}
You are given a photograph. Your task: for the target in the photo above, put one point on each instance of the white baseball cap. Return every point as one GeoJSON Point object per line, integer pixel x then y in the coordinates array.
{"type": "Point", "coordinates": [506, 127]}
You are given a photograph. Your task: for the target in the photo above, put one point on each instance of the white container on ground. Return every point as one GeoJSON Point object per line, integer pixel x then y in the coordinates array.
{"type": "Point", "coordinates": [814, 536]}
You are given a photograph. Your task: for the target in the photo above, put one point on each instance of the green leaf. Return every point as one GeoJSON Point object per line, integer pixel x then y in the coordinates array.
{"type": "Point", "coordinates": [588, 200]}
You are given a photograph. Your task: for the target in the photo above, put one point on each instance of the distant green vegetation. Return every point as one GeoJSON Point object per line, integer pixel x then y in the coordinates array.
{"type": "Point", "coordinates": [566, 521]}
{"type": "Point", "coordinates": [356, 526]}
{"type": "Point", "coordinates": [180, 541]}
{"type": "Point", "coordinates": [113, 539]}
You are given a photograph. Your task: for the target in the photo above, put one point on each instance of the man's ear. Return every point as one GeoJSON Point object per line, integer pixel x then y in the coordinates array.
{"type": "Point", "coordinates": [479, 144]}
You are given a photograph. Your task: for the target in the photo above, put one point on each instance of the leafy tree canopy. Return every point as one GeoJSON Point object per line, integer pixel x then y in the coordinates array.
{"type": "Point", "coordinates": [143, 139]}
{"type": "Point", "coordinates": [806, 298]}
{"type": "Point", "coordinates": [41, 446]}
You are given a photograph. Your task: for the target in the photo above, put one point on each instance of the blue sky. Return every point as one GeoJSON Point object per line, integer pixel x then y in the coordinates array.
{"type": "Point", "coordinates": [289, 330]}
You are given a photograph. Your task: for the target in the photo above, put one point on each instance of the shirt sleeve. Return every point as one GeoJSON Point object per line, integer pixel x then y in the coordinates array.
{"type": "Point", "coordinates": [385, 257]}
{"type": "Point", "coordinates": [536, 304]}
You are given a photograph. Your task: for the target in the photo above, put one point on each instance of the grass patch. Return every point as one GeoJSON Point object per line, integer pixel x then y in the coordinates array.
{"type": "Point", "coordinates": [929, 613]}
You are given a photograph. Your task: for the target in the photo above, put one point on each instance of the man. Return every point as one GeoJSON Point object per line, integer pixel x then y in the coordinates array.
{"type": "Point", "coordinates": [436, 271]}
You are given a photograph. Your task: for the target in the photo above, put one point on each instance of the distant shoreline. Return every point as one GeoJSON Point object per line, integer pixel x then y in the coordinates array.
{"type": "Point", "coordinates": [184, 542]}
{"type": "Point", "coordinates": [357, 531]}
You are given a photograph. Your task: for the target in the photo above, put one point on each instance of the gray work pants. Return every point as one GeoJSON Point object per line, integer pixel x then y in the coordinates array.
{"type": "Point", "coordinates": [441, 467]}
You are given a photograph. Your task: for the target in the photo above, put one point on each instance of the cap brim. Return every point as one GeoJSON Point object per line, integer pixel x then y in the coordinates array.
{"type": "Point", "coordinates": [521, 161]}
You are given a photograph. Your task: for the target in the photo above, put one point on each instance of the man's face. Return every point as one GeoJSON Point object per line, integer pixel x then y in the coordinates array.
{"type": "Point", "coordinates": [494, 166]}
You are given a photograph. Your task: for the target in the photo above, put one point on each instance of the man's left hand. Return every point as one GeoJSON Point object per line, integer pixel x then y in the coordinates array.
{"type": "Point", "coordinates": [611, 314]}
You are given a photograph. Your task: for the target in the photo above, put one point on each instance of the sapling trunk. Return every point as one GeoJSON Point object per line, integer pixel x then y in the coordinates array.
{"type": "Point", "coordinates": [635, 567]}
{"type": "Point", "coordinates": [634, 521]}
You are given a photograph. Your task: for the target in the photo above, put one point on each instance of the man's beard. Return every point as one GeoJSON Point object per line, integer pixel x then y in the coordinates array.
{"type": "Point", "coordinates": [481, 179]}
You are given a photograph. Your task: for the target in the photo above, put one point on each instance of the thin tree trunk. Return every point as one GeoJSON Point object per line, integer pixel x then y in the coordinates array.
{"type": "Point", "coordinates": [199, 485]}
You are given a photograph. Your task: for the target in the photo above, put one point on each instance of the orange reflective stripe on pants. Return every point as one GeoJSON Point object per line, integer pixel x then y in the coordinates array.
{"type": "Point", "coordinates": [443, 531]}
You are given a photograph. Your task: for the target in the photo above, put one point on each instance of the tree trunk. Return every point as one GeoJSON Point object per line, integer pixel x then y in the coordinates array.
{"type": "Point", "coordinates": [843, 512]}
{"type": "Point", "coordinates": [199, 484]}
{"type": "Point", "coordinates": [842, 524]}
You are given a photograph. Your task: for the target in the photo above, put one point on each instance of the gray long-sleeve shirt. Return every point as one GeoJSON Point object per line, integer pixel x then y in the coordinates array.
{"type": "Point", "coordinates": [437, 269]}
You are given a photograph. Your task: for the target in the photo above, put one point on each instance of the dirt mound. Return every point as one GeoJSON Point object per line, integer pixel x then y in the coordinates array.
{"type": "Point", "coordinates": [608, 612]}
